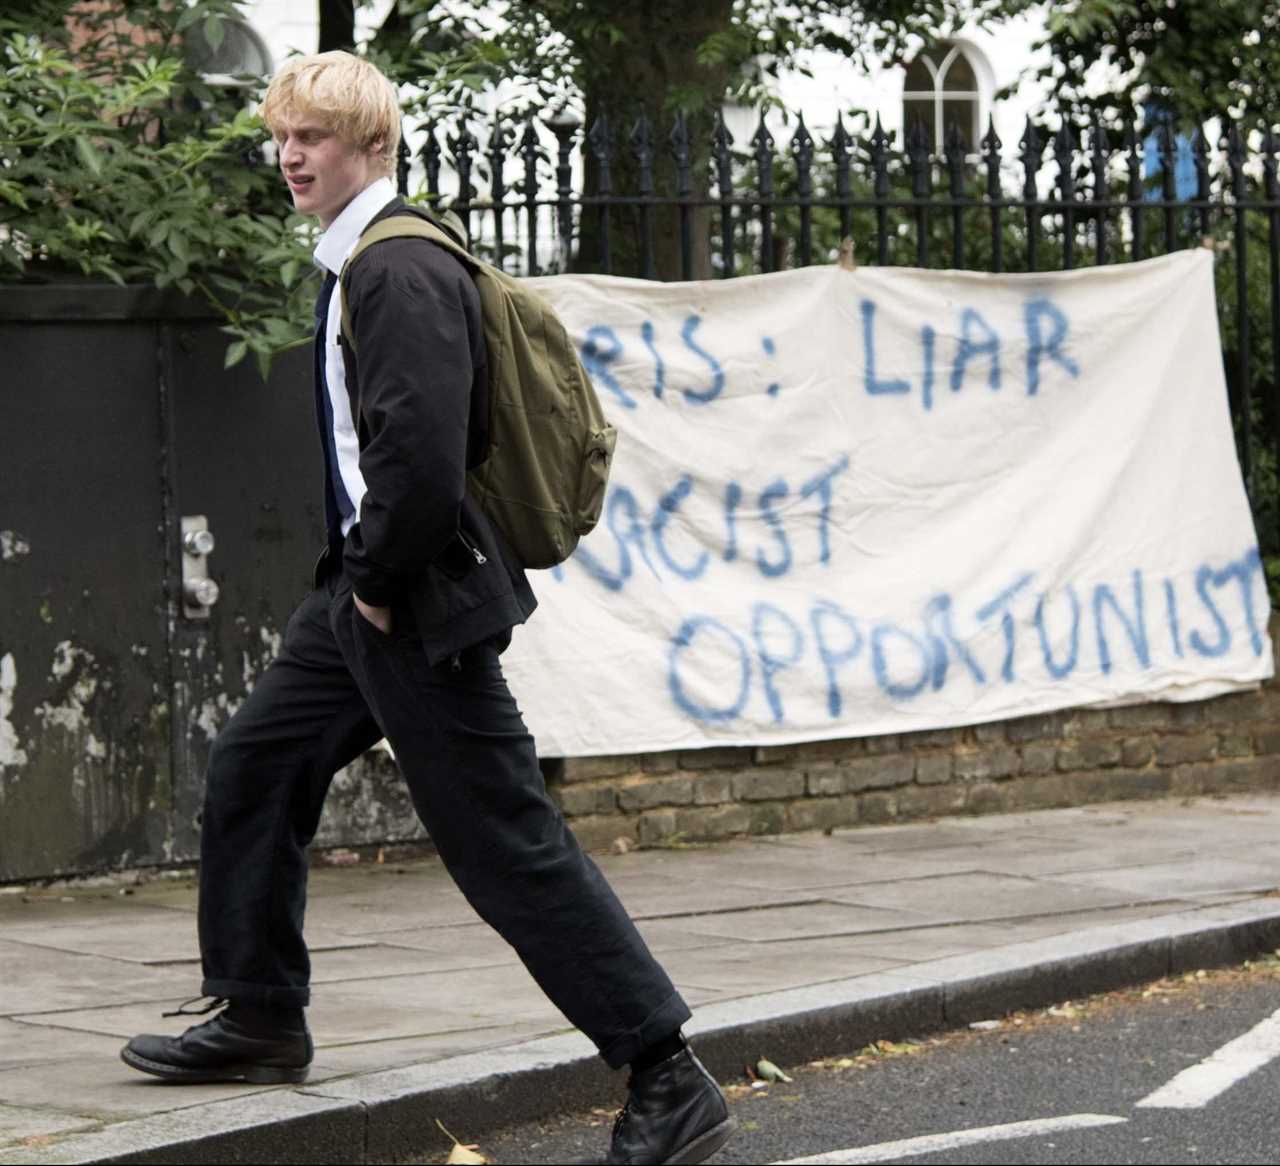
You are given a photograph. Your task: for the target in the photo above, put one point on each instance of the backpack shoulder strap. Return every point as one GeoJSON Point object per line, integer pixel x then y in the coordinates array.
{"type": "Point", "coordinates": [410, 226]}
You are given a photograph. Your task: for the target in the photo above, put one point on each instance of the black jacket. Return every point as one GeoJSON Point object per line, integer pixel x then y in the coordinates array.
{"type": "Point", "coordinates": [416, 378]}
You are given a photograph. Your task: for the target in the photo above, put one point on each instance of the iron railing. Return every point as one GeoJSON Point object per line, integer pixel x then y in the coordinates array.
{"type": "Point", "coordinates": [1103, 194]}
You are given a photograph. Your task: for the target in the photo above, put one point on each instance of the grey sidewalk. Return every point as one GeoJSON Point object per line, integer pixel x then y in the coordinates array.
{"type": "Point", "coordinates": [789, 946]}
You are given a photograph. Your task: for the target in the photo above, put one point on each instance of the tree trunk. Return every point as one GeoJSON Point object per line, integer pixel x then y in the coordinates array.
{"type": "Point", "coordinates": [337, 25]}
{"type": "Point", "coordinates": [639, 74]}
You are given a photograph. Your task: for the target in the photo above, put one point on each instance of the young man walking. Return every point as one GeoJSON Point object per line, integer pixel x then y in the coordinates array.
{"type": "Point", "coordinates": [415, 597]}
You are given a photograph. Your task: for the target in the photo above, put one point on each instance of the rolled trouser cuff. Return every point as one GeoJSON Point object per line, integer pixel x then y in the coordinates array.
{"type": "Point", "coordinates": [659, 1024]}
{"type": "Point", "coordinates": [259, 995]}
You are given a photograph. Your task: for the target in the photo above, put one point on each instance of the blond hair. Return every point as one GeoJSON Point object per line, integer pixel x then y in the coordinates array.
{"type": "Point", "coordinates": [351, 97]}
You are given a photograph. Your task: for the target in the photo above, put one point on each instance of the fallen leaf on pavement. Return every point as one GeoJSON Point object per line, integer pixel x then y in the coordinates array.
{"type": "Point", "coordinates": [462, 1155]}
{"type": "Point", "coordinates": [770, 1072]}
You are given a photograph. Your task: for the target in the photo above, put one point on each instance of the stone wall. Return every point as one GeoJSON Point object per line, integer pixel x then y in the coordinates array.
{"type": "Point", "coordinates": [1059, 759]}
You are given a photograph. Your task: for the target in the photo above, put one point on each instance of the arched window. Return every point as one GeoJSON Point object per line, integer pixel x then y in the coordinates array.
{"type": "Point", "coordinates": [238, 59]}
{"type": "Point", "coordinates": [941, 90]}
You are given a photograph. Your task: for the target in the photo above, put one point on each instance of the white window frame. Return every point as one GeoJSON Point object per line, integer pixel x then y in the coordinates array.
{"type": "Point", "coordinates": [938, 94]}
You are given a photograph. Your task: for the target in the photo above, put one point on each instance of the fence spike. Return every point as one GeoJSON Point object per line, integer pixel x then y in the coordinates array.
{"type": "Point", "coordinates": [1064, 145]}
{"type": "Point", "coordinates": [1270, 169]}
{"type": "Point", "coordinates": [601, 144]}
{"type": "Point", "coordinates": [722, 147]}
{"type": "Point", "coordinates": [1099, 155]}
{"type": "Point", "coordinates": [402, 166]}
{"type": "Point", "coordinates": [991, 144]}
{"type": "Point", "coordinates": [721, 138]}
{"type": "Point", "coordinates": [642, 148]}
{"type": "Point", "coordinates": [529, 151]}
{"type": "Point", "coordinates": [956, 149]}
{"type": "Point", "coordinates": [801, 148]}
{"type": "Point", "coordinates": [762, 141]}
{"type": "Point", "coordinates": [499, 144]}
{"type": "Point", "coordinates": [1032, 150]}
{"type": "Point", "coordinates": [918, 158]}
{"type": "Point", "coordinates": [1237, 151]}
{"type": "Point", "coordinates": [463, 145]}
{"type": "Point", "coordinates": [430, 155]}
{"type": "Point", "coordinates": [840, 140]}
{"type": "Point", "coordinates": [879, 149]}
{"type": "Point", "coordinates": [1200, 156]}
{"type": "Point", "coordinates": [681, 152]}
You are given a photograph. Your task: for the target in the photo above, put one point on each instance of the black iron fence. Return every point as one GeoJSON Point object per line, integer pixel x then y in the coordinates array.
{"type": "Point", "coordinates": [700, 205]}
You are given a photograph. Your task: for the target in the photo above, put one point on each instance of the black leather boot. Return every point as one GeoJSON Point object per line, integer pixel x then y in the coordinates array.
{"type": "Point", "coordinates": [226, 1048]}
{"type": "Point", "coordinates": [675, 1112]}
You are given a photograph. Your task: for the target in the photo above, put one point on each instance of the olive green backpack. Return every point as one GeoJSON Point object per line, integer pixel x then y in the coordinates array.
{"type": "Point", "coordinates": [543, 479]}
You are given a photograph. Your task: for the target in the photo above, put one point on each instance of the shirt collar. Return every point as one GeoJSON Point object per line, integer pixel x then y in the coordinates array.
{"type": "Point", "coordinates": [344, 232]}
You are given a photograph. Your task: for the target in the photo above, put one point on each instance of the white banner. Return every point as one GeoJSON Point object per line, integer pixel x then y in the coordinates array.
{"type": "Point", "coordinates": [848, 503]}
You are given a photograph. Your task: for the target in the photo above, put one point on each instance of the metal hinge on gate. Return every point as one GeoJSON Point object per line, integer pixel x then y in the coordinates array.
{"type": "Point", "coordinates": [199, 592]}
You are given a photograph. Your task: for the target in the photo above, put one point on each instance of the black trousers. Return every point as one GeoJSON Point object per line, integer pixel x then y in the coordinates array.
{"type": "Point", "coordinates": [338, 686]}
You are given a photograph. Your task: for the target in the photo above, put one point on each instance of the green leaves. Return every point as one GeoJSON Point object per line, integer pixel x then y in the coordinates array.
{"type": "Point", "coordinates": [120, 165]}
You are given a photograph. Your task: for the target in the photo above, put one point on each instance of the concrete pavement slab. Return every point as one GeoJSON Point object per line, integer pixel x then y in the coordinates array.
{"type": "Point", "coordinates": [138, 934]}
{"type": "Point", "coordinates": [1204, 873]}
{"type": "Point", "coordinates": [807, 920]}
{"type": "Point", "coordinates": [95, 1083]}
{"type": "Point", "coordinates": [976, 895]}
{"type": "Point", "coordinates": [285, 1127]}
{"type": "Point", "coordinates": [429, 1015]}
{"type": "Point", "coordinates": [32, 1127]}
{"type": "Point", "coordinates": [744, 969]}
{"type": "Point", "coordinates": [38, 979]}
{"type": "Point", "coordinates": [426, 949]}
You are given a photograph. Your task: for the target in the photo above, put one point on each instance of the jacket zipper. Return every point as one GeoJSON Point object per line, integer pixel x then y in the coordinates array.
{"type": "Point", "coordinates": [476, 552]}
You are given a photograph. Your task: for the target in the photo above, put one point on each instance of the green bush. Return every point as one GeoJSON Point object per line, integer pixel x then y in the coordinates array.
{"type": "Point", "coordinates": [117, 162]}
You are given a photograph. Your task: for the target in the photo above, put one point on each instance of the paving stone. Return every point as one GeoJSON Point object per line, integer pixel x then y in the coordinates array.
{"type": "Point", "coordinates": [142, 935]}
{"type": "Point", "coordinates": [807, 921]}
{"type": "Point", "coordinates": [740, 968]}
{"type": "Point", "coordinates": [979, 896]}
{"type": "Point", "coordinates": [91, 1081]}
{"type": "Point", "coordinates": [18, 1123]}
{"type": "Point", "coordinates": [1202, 875]}
{"type": "Point", "coordinates": [413, 951]}
{"type": "Point", "coordinates": [73, 980]}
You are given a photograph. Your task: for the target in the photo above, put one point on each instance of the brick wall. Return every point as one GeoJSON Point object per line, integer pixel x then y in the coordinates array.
{"type": "Point", "coordinates": [1058, 759]}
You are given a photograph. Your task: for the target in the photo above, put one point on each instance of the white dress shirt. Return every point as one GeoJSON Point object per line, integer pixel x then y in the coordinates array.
{"type": "Point", "coordinates": [335, 245]}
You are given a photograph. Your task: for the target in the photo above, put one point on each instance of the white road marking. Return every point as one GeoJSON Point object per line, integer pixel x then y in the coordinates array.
{"type": "Point", "coordinates": [1197, 1086]}
{"type": "Point", "coordinates": [935, 1143]}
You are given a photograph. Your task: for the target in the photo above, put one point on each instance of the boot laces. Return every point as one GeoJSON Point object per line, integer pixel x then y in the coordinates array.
{"type": "Point", "coordinates": [182, 1009]}
{"type": "Point", "coordinates": [621, 1120]}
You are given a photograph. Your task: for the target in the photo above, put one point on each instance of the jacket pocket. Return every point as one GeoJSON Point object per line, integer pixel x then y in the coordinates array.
{"type": "Point", "coordinates": [593, 477]}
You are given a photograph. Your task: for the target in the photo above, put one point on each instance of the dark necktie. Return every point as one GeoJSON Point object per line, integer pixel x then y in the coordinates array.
{"type": "Point", "coordinates": [337, 504]}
